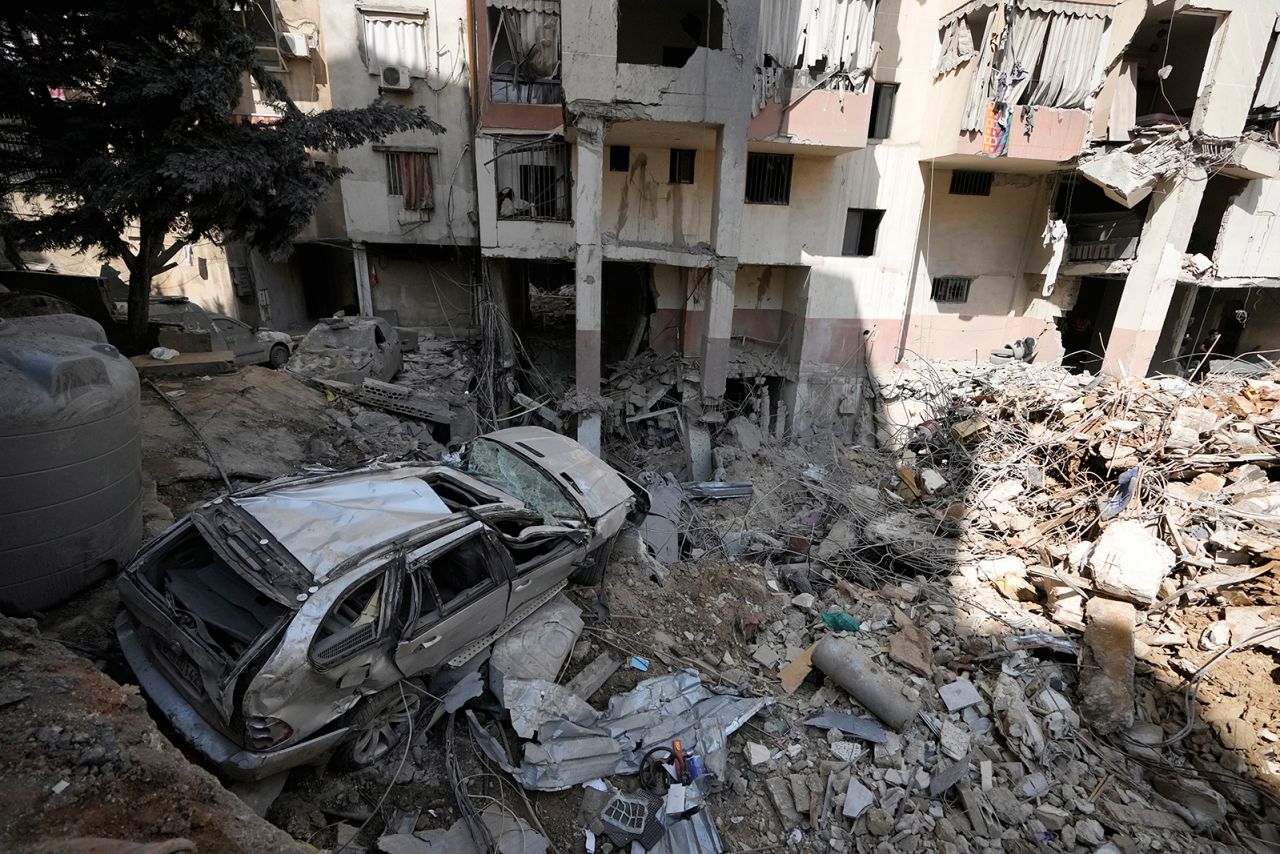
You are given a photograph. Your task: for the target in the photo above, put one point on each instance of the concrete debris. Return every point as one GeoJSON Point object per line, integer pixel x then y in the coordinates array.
{"type": "Point", "coordinates": [857, 800]}
{"type": "Point", "coordinates": [1129, 562]}
{"type": "Point", "coordinates": [959, 694]}
{"type": "Point", "coordinates": [1106, 665]}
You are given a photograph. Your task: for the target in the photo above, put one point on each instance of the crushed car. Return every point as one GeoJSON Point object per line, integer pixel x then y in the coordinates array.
{"type": "Point", "coordinates": [348, 349]}
{"type": "Point", "coordinates": [313, 618]}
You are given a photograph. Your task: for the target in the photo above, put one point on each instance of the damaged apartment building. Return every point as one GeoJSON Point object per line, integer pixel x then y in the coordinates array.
{"type": "Point", "coordinates": [791, 194]}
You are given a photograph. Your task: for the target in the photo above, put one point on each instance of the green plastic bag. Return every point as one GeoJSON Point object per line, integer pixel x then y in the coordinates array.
{"type": "Point", "coordinates": [839, 621]}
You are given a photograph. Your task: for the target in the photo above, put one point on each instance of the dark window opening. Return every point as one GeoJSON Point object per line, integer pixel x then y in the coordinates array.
{"type": "Point", "coordinates": [768, 178]}
{"type": "Point", "coordinates": [1220, 193]}
{"type": "Point", "coordinates": [882, 100]}
{"type": "Point", "coordinates": [965, 182]}
{"type": "Point", "coordinates": [619, 158]}
{"type": "Point", "coordinates": [1098, 229]}
{"type": "Point", "coordinates": [861, 225]}
{"type": "Point", "coordinates": [950, 289]}
{"type": "Point", "coordinates": [681, 169]}
{"type": "Point", "coordinates": [667, 32]}
{"type": "Point", "coordinates": [457, 576]}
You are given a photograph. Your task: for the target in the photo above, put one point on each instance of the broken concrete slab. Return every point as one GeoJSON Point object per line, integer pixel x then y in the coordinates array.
{"type": "Point", "coordinates": [186, 364]}
{"type": "Point", "coordinates": [959, 694]}
{"type": "Point", "coordinates": [1106, 665]}
{"type": "Point", "coordinates": [592, 677]}
{"type": "Point", "coordinates": [1128, 561]}
{"type": "Point", "coordinates": [857, 800]}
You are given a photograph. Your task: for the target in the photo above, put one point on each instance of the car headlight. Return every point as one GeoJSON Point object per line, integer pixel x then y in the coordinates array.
{"type": "Point", "coordinates": [266, 733]}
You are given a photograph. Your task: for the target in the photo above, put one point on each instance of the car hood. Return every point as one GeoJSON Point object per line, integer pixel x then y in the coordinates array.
{"type": "Point", "coordinates": [594, 485]}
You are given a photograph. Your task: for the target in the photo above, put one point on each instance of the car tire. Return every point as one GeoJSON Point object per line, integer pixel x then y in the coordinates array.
{"type": "Point", "coordinates": [379, 724]}
{"type": "Point", "coordinates": [279, 355]}
{"type": "Point", "coordinates": [591, 571]}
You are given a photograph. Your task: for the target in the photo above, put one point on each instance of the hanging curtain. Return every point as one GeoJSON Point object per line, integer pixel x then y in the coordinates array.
{"type": "Point", "coordinates": [415, 181]}
{"type": "Point", "coordinates": [957, 47]}
{"type": "Point", "coordinates": [532, 31]}
{"type": "Point", "coordinates": [809, 31]}
{"type": "Point", "coordinates": [780, 28]}
{"type": "Point", "coordinates": [390, 40]}
{"type": "Point", "coordinates": [1026, 41]}
{"type": "Point", "coordinates": [1268, 96]}
{"type": "Point", "coordinates": [1070, 63]}
{"type": "Point", "coordinates": [975, 106]}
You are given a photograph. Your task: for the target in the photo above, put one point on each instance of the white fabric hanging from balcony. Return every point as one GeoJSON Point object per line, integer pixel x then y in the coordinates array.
{"type": "Point", "coordinates": [957, 46]}
{"type": "Point", "coordinates": [807, 31]}
{"type": "Point", "coordinates": [975, 106]}
{"type": "Point", "coordinates": [395, 40]}
{"type": "Point", "coordinates": [1268, 96]}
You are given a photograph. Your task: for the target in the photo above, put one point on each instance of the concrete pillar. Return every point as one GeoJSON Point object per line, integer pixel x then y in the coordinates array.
{"type": "Point", "coordinates": [1149, 287]}
{"type": "Point", "coordinates": [717, 326]}
{"type": "Point", "coordinates": [587, 191]}
{"type": "Point", "coordinates": [364, 292]}
{"type": "Point", "coordinates": [726, 228]}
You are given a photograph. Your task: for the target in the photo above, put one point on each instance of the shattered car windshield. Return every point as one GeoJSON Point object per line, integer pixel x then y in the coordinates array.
{"type": "Point", "coordinates": [500, 467]}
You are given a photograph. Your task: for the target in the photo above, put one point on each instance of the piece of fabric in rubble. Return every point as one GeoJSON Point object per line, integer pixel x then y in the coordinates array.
{"type": "Point", "coordinates": [577, 744]}
{"type": "Point", "coordinates": [1055, 235]}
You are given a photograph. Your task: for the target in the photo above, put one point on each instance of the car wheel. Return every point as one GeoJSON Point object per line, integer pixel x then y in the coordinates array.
{"type": "Point", "coordinates": [379, 724]}
{"type": "Point", "coordinates": [279, 355]}
{"type": "Point", "coordinates": [591, 571]}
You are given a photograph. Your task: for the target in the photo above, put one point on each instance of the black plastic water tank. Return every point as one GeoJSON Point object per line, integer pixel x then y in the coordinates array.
{"type": "Point", "coordinates": [70, 460]}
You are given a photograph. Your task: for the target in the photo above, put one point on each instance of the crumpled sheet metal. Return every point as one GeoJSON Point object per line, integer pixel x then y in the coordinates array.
{"type": "Point", "coordinates": [533, 702]}
{"type": "Point", "coordinates": [571, 751]}
{"type": "Point", "coordinates": [538, 646]}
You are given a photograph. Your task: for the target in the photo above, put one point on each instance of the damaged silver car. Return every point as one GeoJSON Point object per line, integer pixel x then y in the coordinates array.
{"type": "Point", "coordinates": [318, 616]}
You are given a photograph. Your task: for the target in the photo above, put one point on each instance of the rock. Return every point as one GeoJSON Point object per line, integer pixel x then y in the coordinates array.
{"type": "Point", "coordinates": [1088, 830]}
{"type": "Point", "coordinates": [744, 433]}
{"type": "Point", "coordinates": [1129, 562]}
{"type": "Point", "coordinates": [1106, 665]}
{"type": "Point", "coordinates": [757, 754]}
{"type": "Point", "coordinates": [953, 740]}
{"type": "Point", "coordinates": [783, 802]}
{"type": "Point", "coordinates": [879, 823]}
{"type": "Point", "coordinates": [959, 695]}
{"type": "Point", "coordinates": [804, 601]}
{"type": "Point", "coordinates": [990, 570]}
{"type": "Point", "coordinates": [857, 799]}
{"type": "Point", "coordinates": [1053, 818]}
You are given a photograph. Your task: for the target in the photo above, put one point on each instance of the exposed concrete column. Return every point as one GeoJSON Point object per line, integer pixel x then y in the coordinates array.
{"type": "Point", "coordinates": [364, 291]}
{"type": "Point", "coordinates": [726, 229]}
{"type": "Point", "coordinates": [717, 326]}
{"type": "Point", "coordinates": [588, 189]}
{"type": "Point", "coordinates": [1148, 290]}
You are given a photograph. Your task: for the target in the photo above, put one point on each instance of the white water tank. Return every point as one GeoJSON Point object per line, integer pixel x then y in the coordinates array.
{"type": "Point", "coordinates": [70, 460]}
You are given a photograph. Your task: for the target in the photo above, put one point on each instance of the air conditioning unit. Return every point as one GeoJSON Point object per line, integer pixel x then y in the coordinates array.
{"type": "Point", "coordinates": [295, 44]}
{"type": "Point", "coordinates": [396, 77]}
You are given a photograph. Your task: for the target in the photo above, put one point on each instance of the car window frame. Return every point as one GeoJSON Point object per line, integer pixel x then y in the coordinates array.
{"type": "Point", "coordinates": [418, 573]}
{"type": "Point", "coordinates": [389, 602]}
{"type": "Point", "coordinates": [581, 517]}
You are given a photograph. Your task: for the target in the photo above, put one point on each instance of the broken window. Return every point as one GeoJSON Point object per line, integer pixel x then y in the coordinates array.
{"type": "Point", "coordinates": [950, 289]}
{"type": "Point", "coordinates": [965, 182]}
{"type": "Point", "coordinates": [768, 178]}
{"type": "Point", "coordinates": [261, 20]}
{"type": "Point", "coordinates": [351, 624]}
{"type": "Point", "coordinates": [524, 51]}
{"type": "Point", "coordinates": [532, 179]}
{"type": "Point", "coordinates": [453, 578]}
{"type": "Point", "coordinates": [395, 41]}
{"type": "Point", "coordinates": [667, 32]}
{"type": "Point", "coordinates": [619, 158]}
{"type": "Point", "coordinates": [680, 170]}
{"type": "Point", "coordinates": [409, 176]}
{"type": "Point", "coordinates": [882, 101]}
{"type": "Point", "coordinates": [861, 226]}
{"type": "Point", "coordinates": [501, 468]}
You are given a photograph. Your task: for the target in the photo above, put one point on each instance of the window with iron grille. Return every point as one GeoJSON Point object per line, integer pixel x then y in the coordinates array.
{"type": "Point", "coordinates": [681, 168]}
{"type": "Point", "coordinates": [950, 289]}
{"type": "Point", "coordinates": [965, 182]}
{"type": "Point", "coordinates": [768, 178]}
{"type": "Point", "coordinates": [532, 179]}
{"type": "Point", "coordinates": [409, 176]}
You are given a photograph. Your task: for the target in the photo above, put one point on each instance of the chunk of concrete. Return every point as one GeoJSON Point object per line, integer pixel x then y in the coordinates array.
{"type": "Point", "coordinates": [1106, 665]}
{"type": "Point", "coordinates": [1129, 562]}
{"type": "Point", "coordinates": [959, 694]}
{"type": "Point", "coordinates": [857, 800]}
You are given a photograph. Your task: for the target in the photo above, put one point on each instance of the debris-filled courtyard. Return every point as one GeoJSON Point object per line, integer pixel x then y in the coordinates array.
{"type": "Point", "coordinates": [640, 426]}
{"type": "Point", "coordinates": [1037, 615]}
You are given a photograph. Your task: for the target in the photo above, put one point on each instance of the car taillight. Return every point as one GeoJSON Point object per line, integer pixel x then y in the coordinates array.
{"type": "Point", "coordinates": [266, 733]}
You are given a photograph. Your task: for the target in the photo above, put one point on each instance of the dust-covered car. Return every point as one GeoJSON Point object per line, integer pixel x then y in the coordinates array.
{"type": "Point", "coordinates": [318, 614]}
{"type": "Point", "coordinates": [348, 349]}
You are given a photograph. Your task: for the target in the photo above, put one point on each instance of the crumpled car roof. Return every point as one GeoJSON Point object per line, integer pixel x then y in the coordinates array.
{"type": "Point", "coordinates": [323, 524]}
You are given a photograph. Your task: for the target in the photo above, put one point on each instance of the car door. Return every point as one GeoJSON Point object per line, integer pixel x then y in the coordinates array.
{"type": "Point", "coordinates": [542, 556]}
{"type": "Point", "coordinates": [241, 340]}
{"type": "Point", "coordinates": [459, 586]}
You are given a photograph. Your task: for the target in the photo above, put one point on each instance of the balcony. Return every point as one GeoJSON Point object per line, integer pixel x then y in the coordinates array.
{"type": "Point", "coordinates": [819, 121]}
{"type": "Point", "coordinates": [518, 54]}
